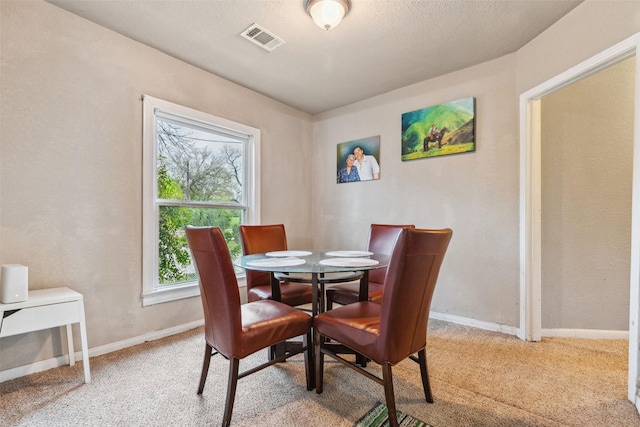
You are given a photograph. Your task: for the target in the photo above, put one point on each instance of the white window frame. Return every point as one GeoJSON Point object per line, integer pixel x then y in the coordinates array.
{"type": "Point", "coordinates": [152, 292]}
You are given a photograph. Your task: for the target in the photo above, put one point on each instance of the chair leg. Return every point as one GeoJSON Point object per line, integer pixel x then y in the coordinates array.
{"type": "Point", "coordinates": [277, 350]}
{"type": "Point", "coordinates": [234, 364]}
{"type": "Point", "coordinates": [272, 352]}
{"type": "Point", "coordinates": [361, 360]}
{"type": "Point", "coordinates": [318, 340]}
{"type": "Point", "coordinates": [387, 379]}
{"type": "Point", "coordinates": [426, 385]}
{"type": "Point", "coordinates": [205, 367]}
{"type": "Point", "coordinates": [309, 366]}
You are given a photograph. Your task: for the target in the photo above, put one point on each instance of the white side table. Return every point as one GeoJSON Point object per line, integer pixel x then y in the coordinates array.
{"type": "Point", "coordinates": [44, 309]}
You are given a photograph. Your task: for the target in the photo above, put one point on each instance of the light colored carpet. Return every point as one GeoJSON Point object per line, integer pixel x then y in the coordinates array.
{"type": "Point", "coordinates": [479, 378]}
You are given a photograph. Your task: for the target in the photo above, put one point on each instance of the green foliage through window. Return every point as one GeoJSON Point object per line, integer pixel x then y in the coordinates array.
{"type": "Point", "coordinates": [199, 181]}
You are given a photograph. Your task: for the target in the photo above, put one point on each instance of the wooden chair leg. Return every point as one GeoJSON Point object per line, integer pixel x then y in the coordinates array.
{"type": "Point", "coordinates": [361, 360]}
{"type": "Point", "coordinates": [319, 361]}
{"type": "Point", "coordinates": [205, 367]}
{"type": "Point", "coordinates": [309, 366]}
{"type": "Point", "coordinates": [234, 364]}
{"type": "Point", "coordinates": [277, 350]}
{"type": "Point", "coordinates": [426, 385]}
{"type": "Point", "coordinates": [387, 379]}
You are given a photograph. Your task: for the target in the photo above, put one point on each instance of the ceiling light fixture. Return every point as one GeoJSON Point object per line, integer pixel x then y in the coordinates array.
{"type": "Point", "coordinates": [327, 14]}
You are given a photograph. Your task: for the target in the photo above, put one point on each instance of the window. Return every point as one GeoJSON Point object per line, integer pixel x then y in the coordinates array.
{"type": "Point", "coordinates": [198, 170]}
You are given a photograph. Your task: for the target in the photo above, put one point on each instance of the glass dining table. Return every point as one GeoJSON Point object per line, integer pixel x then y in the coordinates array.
{"type": "Point", "coordinates": [318, 268]}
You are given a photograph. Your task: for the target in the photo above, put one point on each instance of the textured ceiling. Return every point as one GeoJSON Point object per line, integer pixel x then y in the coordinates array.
{"type": "Point", "coordinates": [381, 45]}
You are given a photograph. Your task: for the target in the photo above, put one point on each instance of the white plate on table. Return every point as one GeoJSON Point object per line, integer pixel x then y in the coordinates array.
{"type": "Point", "coordinates": [276, 262]}
{"type": "Point", "coordinates": [288, 253]}
{"type": "Point", "coordinates": [349, 262]}
{"type": "Point", "coordinates": [349, 254]}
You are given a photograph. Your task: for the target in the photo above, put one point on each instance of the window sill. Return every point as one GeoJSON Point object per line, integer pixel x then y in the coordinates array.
{"type": "Point", "coordinates": [175, 293]}
{"type": "Point", "coordinates": [171, 293]}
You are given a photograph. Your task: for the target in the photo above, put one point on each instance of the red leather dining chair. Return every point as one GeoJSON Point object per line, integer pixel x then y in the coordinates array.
{"type": "Point", "coordinates": [382, 238]}
{"type": "Point", "coordinates": [389, 332]}
{"type": "Point", "coordinates": [267, 238]}
{"type": "Point", "coordinates": [234, 330]}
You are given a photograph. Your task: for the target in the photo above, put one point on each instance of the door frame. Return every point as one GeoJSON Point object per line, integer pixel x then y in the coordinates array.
{"type": "Point", "coordinates": [530, 199]}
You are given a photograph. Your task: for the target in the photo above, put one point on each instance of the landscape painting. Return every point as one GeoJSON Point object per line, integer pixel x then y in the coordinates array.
{"type": "Point", "coordinates": [439, 130]}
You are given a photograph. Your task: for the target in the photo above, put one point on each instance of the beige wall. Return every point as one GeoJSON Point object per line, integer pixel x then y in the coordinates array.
{"type": "Point", "coordinates": [475, 194]}
{"type": "Point", "coordinates": [587, 168]}
{"type": "Point", "coordinates": [70, 192]}
{"type": "Point", "coordinates": [70, 157]}
{"type": "Point", "coordinates": [587, 30]}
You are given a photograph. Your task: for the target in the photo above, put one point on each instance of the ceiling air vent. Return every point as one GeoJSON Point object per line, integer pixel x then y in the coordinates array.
{"type": "Point", "coordinates": [263, 38]}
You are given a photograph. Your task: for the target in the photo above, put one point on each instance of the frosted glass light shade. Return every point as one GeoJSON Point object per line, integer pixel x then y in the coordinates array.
{"type": "Point", "coordinates": [327, 14]}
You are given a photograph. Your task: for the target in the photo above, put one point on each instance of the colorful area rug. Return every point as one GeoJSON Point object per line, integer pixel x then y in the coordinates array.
{"type": "Point", "coordinates": [379, 417]}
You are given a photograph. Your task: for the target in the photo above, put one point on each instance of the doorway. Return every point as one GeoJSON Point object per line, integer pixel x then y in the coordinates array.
{"type": "Point", "coordinates": [587, 171]}
{"type": "Point", "coordinates": [531, 199]}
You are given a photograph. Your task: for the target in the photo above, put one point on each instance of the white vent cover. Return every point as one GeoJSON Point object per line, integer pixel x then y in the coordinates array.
{"type": "Point", "coordinates": [263, 38]}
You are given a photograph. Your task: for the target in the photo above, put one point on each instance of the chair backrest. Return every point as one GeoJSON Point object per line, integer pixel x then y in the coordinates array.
{"type": "Point", "coordinates": [382, 238]}
{"type": "Point", "coordinates": [257, 239]}
{"type": "Point", "coordinates": [408, 290]}
{"type": "Point", "coordinates": [218, 287]}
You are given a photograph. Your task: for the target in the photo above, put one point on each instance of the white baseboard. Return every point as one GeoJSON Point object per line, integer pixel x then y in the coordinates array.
{"type": "Point", "coordinates": [55, 362]}
{"type": "Point", "coordinates": [512, 330]}
{"type": "Point", "coordinates": [42, 365]}
{"type": "Point", "coordinates": [488, 326]}
{"type": "Point", "coordinates": [150, 336]}
{"type": "Point", "coordinates": [586, 333]}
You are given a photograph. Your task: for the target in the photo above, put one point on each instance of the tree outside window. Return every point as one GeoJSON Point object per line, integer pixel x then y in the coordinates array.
{"type": "Point", "coordinates": [200, 171]}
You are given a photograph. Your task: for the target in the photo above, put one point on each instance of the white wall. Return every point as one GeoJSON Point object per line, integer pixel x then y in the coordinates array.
{"type": "Point", "coordinates": [71, 135]}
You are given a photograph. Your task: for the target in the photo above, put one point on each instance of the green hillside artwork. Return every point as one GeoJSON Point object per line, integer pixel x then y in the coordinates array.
{"type": "Point", "coordinates": [455, 122]}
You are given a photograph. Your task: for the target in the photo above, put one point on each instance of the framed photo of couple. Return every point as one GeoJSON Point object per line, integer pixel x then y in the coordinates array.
{"type": "Point", "coordinates": [358, 160]}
